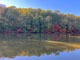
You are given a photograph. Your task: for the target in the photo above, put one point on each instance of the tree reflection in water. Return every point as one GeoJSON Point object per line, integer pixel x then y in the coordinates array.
{"type": "Point", "coordinates": [12, 45]}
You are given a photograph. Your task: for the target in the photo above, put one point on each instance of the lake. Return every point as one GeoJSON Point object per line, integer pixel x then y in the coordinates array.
{"type": "Point", "coordinates": [58, 46]}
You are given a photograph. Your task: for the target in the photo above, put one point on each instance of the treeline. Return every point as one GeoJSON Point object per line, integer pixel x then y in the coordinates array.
{"type": "Point", "coordinates": [14, 19]}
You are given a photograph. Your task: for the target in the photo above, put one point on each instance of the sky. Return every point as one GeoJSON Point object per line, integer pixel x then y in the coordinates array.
{"type": "Point", "coordinates": [64, 6]}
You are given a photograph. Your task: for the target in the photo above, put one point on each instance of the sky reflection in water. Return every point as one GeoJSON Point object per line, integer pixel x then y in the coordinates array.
{"type": "Point", "coordinates": [75, 55]}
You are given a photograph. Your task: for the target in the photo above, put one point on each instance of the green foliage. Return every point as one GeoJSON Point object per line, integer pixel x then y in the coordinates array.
{"type": "Point", "coordinates": [34, 20]}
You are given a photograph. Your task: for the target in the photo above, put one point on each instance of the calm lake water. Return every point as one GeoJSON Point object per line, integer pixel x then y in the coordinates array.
{"type": "Point", "coordinates": [57, 46]}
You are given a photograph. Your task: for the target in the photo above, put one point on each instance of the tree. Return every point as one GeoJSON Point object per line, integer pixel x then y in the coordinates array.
{"type": "Point", "coordinates": [36, 20]}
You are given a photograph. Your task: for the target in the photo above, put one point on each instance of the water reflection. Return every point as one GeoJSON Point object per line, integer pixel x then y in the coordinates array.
{"type": "Point", "coordinates": [13, 45]}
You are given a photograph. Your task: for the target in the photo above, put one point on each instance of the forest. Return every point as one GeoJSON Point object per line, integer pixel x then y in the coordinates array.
{"type": "Point", "coordinates": [14, 19]}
